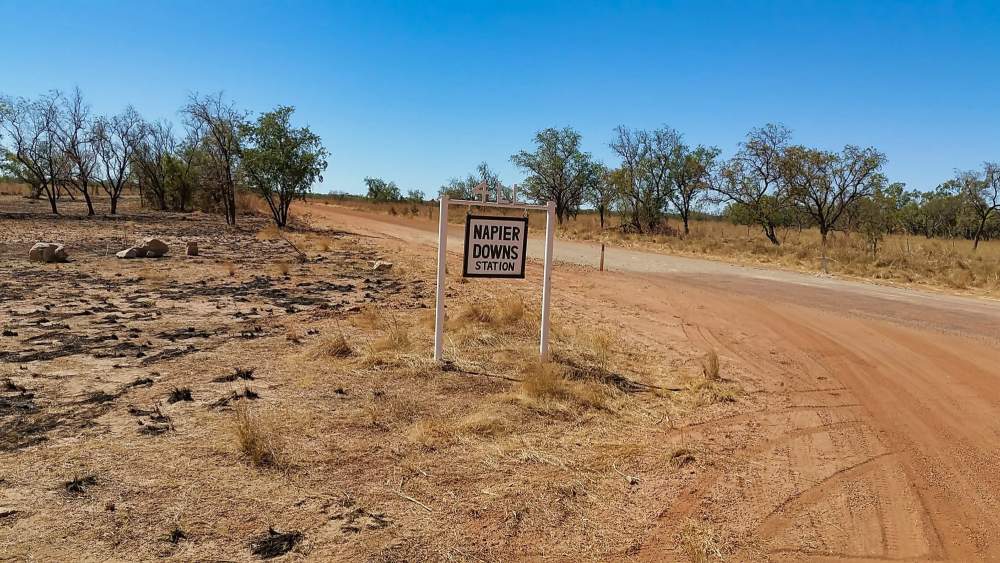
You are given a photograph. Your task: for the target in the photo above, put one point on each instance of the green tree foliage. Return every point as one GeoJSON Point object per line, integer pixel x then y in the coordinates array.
{"type": "Point", "coordinates": [602, 191]}
{"type": "Point", "coordinates": [691, 174]}
{"type": "Point", "coordinates": [643, 181]}
{"type": "Point", "coordinates": [464, 188]}
{"type": "Point", "coordinates": [281, 162]}
{"type": "Point", "coordinates": [380, 190]}
{"type": "Point", "coordinates": [753, 179]}
{"type": "Point", "coordinates": [557, 170]}
{"type": "Point", "coordinates": [980, 190]}
{"type": "Point", "coordinates": [222, 124]}
{"type": "Point", "coordinates": [879, 214]}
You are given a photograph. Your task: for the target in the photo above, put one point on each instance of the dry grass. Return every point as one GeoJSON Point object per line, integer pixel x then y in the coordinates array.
{"type": "Point", "coordinates": [395, 339]}
{"type": "Point", "coordinates": [699, 542]}
{"type": "Point", "coordinates": [707, 392]}
{"type": "Point", "coordinates": [282, 268]}
{"type": "Point", "coordinates": [505, 311]}
{"type": "Point", "coordinates": [332, 347]}
{"type": "Point", "coordinates": [546, 382]}
{"type": "Point", "coordinates": [256, 436]}
{"type": "Point", "coordinates": [710, 366]}
{"type": "Point", "coordinates": [269, 232]}
{"type": "Point", "coordinates": [386, 409]}
{"type": "Point", "coordinates": [230, 268]}
{"type": "Point", "coordinates": [153, 276]}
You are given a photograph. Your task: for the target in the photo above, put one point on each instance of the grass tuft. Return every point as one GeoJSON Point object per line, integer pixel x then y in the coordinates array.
{"type": "Point", "coordinates": [256, 436]}
{"type": "Point", "coordinates": [710, 366]}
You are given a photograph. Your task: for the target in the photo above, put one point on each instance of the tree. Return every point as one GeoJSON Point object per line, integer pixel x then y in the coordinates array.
{"type": "Point", "coordinates": [116, 138]}
{"type": "Point", "coordinates": [380, 190]}
{"type": "Point", "coordinates": [222, 143]}
{"type": "Point", "coordinates": [32, 126]}
{"type": "Point", "coordinates": [281, 162]}
{"type": "Point", "coordinates": [415, 196]}
{"type": "Point", "coordinates": [458, 188]}
{"type": "Point", "coordinates": [691, 173]}
{"type": "Point", "coordinates": [981, 192]}
{"type": "Point", "coordinates": [75, 135]}
{"type": "Point", "coordinates": [752, 178]}
{"type": "Point", "coordinates": [602, 191]}
{"type": "Point", "coordinates": [183, 169]}
{"type": "Point", "coordinates": [154, 146]}
{"type": "Point", "coordinates": [826, 185]}
{"type": "Point", "coordinates": [23, 161]}
{"type": "Point", "coordinates": [557, 170]}
{"type": "Point", "coordinates": [643, 181]}
{"type": "Point", "coordinates": [879, 214]}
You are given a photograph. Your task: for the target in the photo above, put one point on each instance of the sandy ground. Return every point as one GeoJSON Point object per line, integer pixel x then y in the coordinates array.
{"type": "Point", "coordinates": [877, 434]}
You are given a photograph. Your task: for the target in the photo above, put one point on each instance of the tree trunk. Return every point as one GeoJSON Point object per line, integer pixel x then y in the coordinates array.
{"type": "Point", "coordinates": [600, 211]}
{"type": "Point", "coordinates": [90, 203]}
{"type": "Point", "coordinates": [979, 232]}
{"type": "Point", "coordinates": [823, 261]}
{"type": "Point", "coordinates": [114, 204]}
{"type": "Point", "coordinates": [770, 234]}
{"type": "Point", "coordinates": [686, 229]}
{"type": "Point", "coordinates": [50, 192]}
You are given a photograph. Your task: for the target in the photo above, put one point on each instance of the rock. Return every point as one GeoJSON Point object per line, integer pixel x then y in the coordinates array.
{"type": "Point", "coordinates": [192, 248]}
{"type": "Point", "coordinates": [128, 253]}
{"type": "Point", "coordinates": [154, 247]}
{"type": "Point", "coordinates": [48, 252]}
{"type": "Point", "coordinates": [380, 266]}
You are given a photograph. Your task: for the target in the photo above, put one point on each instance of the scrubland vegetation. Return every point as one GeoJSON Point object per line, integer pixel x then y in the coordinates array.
{"type": "Point", "coordinates": [59, 149]}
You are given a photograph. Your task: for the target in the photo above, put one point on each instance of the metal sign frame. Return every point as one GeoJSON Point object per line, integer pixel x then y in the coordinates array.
{"type": "Point", "coordinates": [550, 227]}
{"type": "Point", "coordinates": [524, 246]}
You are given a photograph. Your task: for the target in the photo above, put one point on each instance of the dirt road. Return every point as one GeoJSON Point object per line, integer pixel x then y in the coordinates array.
{"type": "Point", "coordinates": [880, 433]}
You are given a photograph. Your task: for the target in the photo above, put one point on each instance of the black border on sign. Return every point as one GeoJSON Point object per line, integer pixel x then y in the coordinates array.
{"type": "Point", "coordinates": [524, 247]}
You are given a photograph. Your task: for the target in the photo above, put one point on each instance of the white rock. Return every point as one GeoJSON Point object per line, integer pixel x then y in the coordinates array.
{"type": "Point", "coordinates": [128, 253]}
{"type": "Point", "coordinates": [48, 252]}
{"type": "Point", "coordinates": [381, 266]}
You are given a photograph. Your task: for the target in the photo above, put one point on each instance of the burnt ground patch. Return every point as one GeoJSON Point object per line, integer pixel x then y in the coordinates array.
{"type": "Point", "coordinates": [273, 543]}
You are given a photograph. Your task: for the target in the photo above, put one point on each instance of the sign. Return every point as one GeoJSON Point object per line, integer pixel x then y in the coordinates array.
{"type": "Point", "coordinates": [495, 247]}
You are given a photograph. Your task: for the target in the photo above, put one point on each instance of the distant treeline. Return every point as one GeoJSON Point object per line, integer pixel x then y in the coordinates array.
{"type": "Point", "coordinates": [770, 182]}
{"type": "Point", "coordinates": [56, 146]}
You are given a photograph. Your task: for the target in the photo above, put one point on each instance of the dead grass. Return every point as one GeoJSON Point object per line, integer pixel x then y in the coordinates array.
{"type": "Point", "coordinates": [546, 382]}
{"type": "Point", "coordinates": [707, 392]}
{"type": "Point", "coordinates": [282, 268]}
{"type": "Point", "coordinates": [395, 339]}
{"type": "Point", "coordinates": [710, 366]}
{"type": "Point", "coordinates": [153, 276]}
{"type": "Point", "coordinates": [332, 347]}
{"type": "Point", "coordinates": [507, 310]}
{"type": "Point", "coordinates": [230, 268]}
{"type": "Point", "coordinates": [269, 232]}
{"type": "Point", "coordinates": [699, 541]}
{"type": "Point", "coordinates": [257, 437]}
{"type": "Point", "coordinates": [385, 409]}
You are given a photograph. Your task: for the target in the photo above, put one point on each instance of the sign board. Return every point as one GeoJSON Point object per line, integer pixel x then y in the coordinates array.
{"type": "Point", "coordinates": [495, 247]}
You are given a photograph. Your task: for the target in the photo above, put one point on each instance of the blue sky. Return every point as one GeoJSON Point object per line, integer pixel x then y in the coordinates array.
{"type": "Point", "coordinates": [418, 92]}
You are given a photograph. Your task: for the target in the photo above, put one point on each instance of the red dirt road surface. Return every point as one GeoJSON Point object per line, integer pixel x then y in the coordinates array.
{"type": "Point", "coordinates": [879, 436]}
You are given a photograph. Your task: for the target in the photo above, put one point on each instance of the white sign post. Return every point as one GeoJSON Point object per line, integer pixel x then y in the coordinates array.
{"type": "Point", "coordinates": [495, 247]}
